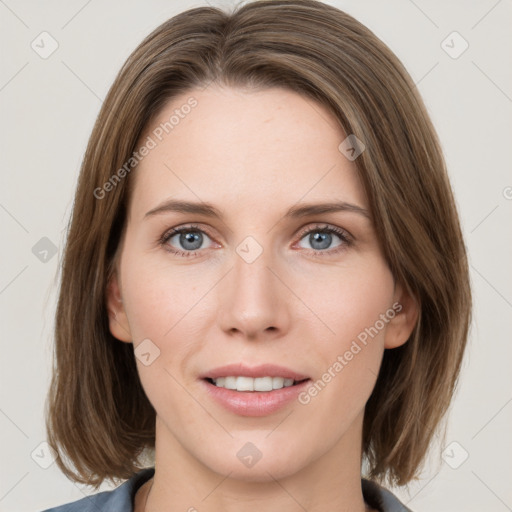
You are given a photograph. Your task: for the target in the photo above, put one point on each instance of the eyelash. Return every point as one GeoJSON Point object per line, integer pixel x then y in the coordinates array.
{"type": "Point", "coordinates": [346, 239]}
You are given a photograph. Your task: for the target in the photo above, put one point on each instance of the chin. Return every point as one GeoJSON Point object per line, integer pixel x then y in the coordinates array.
{"type": "Point", "coordinates": [253, 461]}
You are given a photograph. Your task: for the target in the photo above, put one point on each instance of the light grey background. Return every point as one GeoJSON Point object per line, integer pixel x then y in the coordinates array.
{"type": "Point", "coordinates": [48, 107]}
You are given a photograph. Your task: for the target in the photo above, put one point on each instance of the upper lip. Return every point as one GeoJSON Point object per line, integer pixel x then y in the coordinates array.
{"type": "Point", "coordinates": [261, 370]}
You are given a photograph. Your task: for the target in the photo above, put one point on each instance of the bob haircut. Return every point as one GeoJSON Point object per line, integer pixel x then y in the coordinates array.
{"type": "Point", "coordinates": [98, 418]}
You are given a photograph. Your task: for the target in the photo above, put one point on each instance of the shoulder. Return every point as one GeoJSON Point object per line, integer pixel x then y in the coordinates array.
{"type": "Point", "coordinates": [118, 500]}
{"type": "Point", "coordinates": [380, 498]}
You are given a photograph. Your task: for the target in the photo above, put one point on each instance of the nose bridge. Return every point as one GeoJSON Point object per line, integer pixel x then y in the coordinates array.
{"type": "Point", "coordinates": [252, 298]}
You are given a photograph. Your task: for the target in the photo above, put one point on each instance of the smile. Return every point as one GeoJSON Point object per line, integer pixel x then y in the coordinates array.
{"type": "Point", "coordinates": [248, 390]}
{"type": "Point", "coordinates": [242, 383]}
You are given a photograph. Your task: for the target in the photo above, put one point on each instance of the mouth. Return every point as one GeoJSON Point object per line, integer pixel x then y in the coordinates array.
{"type": "Point", "coordinates": [254, 384]}
{"type": "Point", "coordinates": [253, 390]}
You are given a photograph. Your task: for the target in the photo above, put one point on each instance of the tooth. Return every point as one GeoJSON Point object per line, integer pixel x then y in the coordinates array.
{"type": "Point", "coordinates": [277, 382]}
{"type": "Point", "coordinates": [230, 383]}
{"type": "Point", "coordinates": [245, 384]}
{"type": "Point", "coordinates": [263, 384]}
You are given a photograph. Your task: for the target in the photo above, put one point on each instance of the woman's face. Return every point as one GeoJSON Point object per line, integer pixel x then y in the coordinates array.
{"type": "Point", "coordinates": [261, 274]}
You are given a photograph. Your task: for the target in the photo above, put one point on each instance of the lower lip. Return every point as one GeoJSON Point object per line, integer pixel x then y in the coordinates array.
{"type": "Point", "coordinates": [254, 403]}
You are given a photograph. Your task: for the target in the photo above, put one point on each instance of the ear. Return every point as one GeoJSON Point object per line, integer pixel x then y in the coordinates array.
{"type": "Point", "coordinates": [117, 318]}
{"type": "Point", "coordinates": [402, 324]}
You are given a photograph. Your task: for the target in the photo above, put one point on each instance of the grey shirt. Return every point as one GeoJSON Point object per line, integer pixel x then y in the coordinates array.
{"type": "Point", "coordinates": [121, 499]}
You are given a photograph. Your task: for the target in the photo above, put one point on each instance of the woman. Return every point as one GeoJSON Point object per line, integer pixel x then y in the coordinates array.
{"type": "Point", "coordinates": [265, 287]}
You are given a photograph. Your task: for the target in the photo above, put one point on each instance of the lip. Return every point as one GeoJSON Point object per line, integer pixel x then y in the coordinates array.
{"type": "Point", "coordinates": [262, 370]}
{"type": "Point", "coordinates": [254, 403]}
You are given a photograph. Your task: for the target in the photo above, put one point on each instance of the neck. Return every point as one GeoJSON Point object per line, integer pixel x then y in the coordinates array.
{"type": "Point", "coordinates": [182, 482]}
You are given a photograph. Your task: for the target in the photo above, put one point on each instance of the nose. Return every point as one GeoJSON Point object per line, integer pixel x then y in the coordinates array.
{"type": "Point", "coordinates": [253, 300]}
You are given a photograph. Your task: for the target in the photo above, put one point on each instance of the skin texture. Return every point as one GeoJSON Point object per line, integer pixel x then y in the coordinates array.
{"type": "Point", "coordinates": [253, 155]}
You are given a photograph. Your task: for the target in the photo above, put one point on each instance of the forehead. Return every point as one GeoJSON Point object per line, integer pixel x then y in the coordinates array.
{"type": "Point", "coordinates": [247, 148]}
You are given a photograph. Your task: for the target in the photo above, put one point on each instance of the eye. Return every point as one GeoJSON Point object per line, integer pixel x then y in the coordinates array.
{"type": "Point", "coordinates": [325, 239]}
{"type": "Point", "coordinates": [321, 239]}
{"type": "Point", "coordinates": [184, 241]}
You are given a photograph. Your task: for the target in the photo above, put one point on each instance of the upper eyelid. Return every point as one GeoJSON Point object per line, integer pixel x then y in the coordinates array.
{"type": "Point", "coordinates": [324, 226]}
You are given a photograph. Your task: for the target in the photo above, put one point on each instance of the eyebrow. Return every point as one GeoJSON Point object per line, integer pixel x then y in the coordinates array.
{"type": "Point", "coordinates": [208, 210]}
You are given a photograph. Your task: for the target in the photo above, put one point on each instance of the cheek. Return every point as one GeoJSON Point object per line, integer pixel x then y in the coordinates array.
{"type": "Point", "coordinates": [158, 298]}
{"type": "Point", "coordinates": [167, 305]}
{"type": "Point", "coordinates": [347, 300]}
{"type": "Point", "coordinates": [160, 308]}
{"type": "Point", "coordinates": [355, 307]}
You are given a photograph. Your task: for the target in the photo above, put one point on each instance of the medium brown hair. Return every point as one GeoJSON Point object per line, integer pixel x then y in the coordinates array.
{"type": "Point", "coordinates": [99, 419]}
